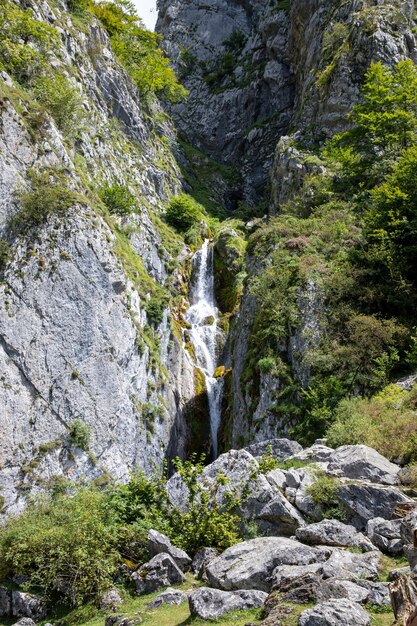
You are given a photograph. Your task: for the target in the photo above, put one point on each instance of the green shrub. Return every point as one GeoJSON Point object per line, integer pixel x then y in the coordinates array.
{"type": "Point", "coordinates": [62, 100]}
{"type": "Point", "coordinates": [183, 212]}
{"type": "Point", "coordinates": [79, 7]}
{"type": "Point", "coordinates": [64, 546]}
{"type": "Point", "coordinates": [324, 492]}
{"type": "Point", "coordinates": [268, 462]}
{"type": "Point", "coordinates": [79, 434]}
{"type": "Point", "coordinates": [24, 42]}
{"type": "Point", "coordinates": [155, 308]}
{"type": "Point", "coordinates": [5, 252]}
{"type": "Point", "coordinates": [118, 199]}
{"type": "Point", "coordinates": [48, 195]}
{"type": "Point", "coordinates": [267, 364]}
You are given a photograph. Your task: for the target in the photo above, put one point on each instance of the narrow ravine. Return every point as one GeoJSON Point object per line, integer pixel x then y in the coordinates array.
{"type": "Point", "coordinates": [205, 334]}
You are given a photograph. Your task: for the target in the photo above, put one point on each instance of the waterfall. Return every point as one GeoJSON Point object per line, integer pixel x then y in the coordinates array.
{"type": "Point", "coordinates": [204, 333]}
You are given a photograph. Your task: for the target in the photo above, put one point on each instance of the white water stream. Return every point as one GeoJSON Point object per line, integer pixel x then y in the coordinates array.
{"type": "Point", "coordinates": [203, 318]}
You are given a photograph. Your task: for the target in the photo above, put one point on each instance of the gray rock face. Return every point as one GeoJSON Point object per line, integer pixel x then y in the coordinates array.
{"type": "Point", "coordinates": [5, 602]}
{"type": "Point", "coordinates": [333, 533]}
{"type": "Point", "coordinates": [364, 502]}
{"type": "Point", "coordinates": [172, 597]}
{"type": "Point", "coordinates": [363, 463]}
{"type": "Point", "coordinates": [202, 558]}
{"type": "Point", "coordinates": [159, 572]}
{"type": "Point", "coordinates": [25, 621]}
{"type": "Point", "coordinates": [110, 600]}
{"type": "Point", "coordinates": [280, 448]}
{"type": "Point", "coordinates": [345, 565]}
{"type": "Point", "coordinates": [158, 542]}
{"type": "Point", "coordinates": [335, 613]}
{"type": "Point", "coordinates": [28, 605]}
{"type": "Point", "coordinates": [209, 603]}
{"type": "Point", "coordinates": [386, 535]}
{"type": "Point", "coordinates": [250, 565]}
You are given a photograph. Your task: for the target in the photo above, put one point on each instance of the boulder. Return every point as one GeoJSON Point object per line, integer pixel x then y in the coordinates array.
{"type": "Point", "coordinates": [250, 564]}
{"type": "Point", "coordinates": [282, 449]}
{"type": "Point", "coordinates": [202, 558]}
{"type": "Point", "coordinates": [335, 613]}
{"type": "Point", "coordinates": [212, 604]}
{"type": "Point", "coordinates": [339, 589]}
{"type": "Point", "coordinates": [363, 463]}
{"type": "Point", "coordinates": [277, 478]}
{"type": "Point", "coordinates": [110, 600]}
{"type": "Point", "coordinates": [5, 602]}
{"type": "Point", "coordinates": [317, 453]}
{"type": "Point", "coordinates": [408, 526]}
{"type": "Point", "coordinates": [28, 605]}
{"type": "Point", "coordinates": [363, 502]}
{"type": "Point", "coordinates": [386, 535]}
{"type": "Point", "coordinates": [284, 574]}
{"type": "Point", "coordinates": [170, 596]}
{"type": "Point", "coordinates": [158, 543]}
{"type": "Point", "coordinates": [345, 565]}
{"type": "Point", "coordinates": [25, 621]}
{"type": "Point", "coordinates": [302, 590]}
{"type": "Point", "coordinates": [333, 533]}
{"type": "Point", "coordinates": [159, 572]}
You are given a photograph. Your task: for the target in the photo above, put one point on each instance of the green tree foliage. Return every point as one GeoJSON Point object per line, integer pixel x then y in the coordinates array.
{"type": "Point", "coordinates": [138, 51]}
{"type": "Point", "coordinates": [24, 42]}
{"type": "Point", "coordinates": [64, 546]}
{"type": "Point", "coordinates": [183, 212]}
{"type": "Point", "coordinates": [79, 433]}
{"type": "Point", "coordinates": [118, 199]}
{"type": "Point", "coordinates": [62, 100]}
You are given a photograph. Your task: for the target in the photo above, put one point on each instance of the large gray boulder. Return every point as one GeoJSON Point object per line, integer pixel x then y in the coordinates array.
{"type": "Point", "coordinates": [158, 543]}
{"type": "Point", "coordinates": [386, 535]}
{"type": "Point", "coordinates": [333, 533]}
{"type": "Point", "coordinates": [159, 572]}
{"type": "Point", "coordinates": [28, 605]}
{"type": "Point", "coordinates": [363, 463]}
{"type": "Point", "coordinates": [345, 565]}
{"type": "Point", "coordinates": [212, 604]}
{"type": "Point", "coordinates": [250, 565]}
{"type": "Point", "coordinates": [284, 574]}
{"type": "Point", "coordinates": [335, 613]}
{"type": "Point", "coordinates": [170, 596]}
{"type": "Point", "coordinates": [202, 558]}
{"type": "Point", "coordinates": [363, 502]}
{"type": "Point", "coordinates": [5, 602]}
{"type": "Point", "coordinates": [282, 449]}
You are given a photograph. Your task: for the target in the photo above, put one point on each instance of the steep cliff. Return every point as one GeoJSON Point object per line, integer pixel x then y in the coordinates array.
{"type": "Point", "coordinates": [79, 337]}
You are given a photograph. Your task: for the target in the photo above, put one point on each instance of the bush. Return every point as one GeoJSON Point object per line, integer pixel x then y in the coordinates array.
{"type": "Point", "coordinates": [79, 434]}
{"type": "Point", "coordinates": [65, 547]}
{"type": "Point", "coordinates": [24, 42]}
{"type": "Point", "coordinates": [118, 199]}
{"type": "Point", "coordinates": [49, 195]}
{"type": "Point", "coordinates": [62, 100]}
{"type": "Point", "coordinates": [324, 492]}
{"type": "Point", "coordinates": [155, 308]}
{"type": "Point", "coordinates": [183, 212]}
{"type": "Point", "coordinates": [79, 7]}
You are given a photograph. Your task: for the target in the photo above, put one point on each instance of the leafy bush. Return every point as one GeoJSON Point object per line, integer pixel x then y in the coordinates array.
{"type": "Point", "coordinates": [183, 212]}
{"type": "Point", "coordinates": [64, 546]}
{"type": "Point", "coordinates": [155, 308]}
{"type": "Point", "coordinates": [118, 199]}
{"type": "Point", "coordinates": [324, 492]}
{"type": "Point", "coordinates": [24, 42]}
{"type": "Point", "coordinates": [386, 422]}
{"type": "Point", "coordinates": [138, 51]}
{"type": "Point", "coordinates": [48, 195]}
{"type": "Point", "coordinates": [79, 434]}
{"type": "Point", "coordinates": [79, 7]}
{"type": "Point", "coordinates": [62, 100]}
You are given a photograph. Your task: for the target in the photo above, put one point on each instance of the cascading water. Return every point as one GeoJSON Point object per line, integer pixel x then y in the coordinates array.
{"type": "Point", "coordinates": [205, 334]}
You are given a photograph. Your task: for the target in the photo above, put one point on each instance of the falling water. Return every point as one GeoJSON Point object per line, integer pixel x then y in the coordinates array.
{"type": "Point", "coordinates": [204, 333]}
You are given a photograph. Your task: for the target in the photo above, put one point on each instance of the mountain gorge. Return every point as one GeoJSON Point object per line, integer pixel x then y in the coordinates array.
{"type": "Point", "coordinates": [218, 261]}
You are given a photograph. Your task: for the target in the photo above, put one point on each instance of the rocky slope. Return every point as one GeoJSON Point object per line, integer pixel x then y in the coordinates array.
{"type": "Point", "coordinates": [75, 338]}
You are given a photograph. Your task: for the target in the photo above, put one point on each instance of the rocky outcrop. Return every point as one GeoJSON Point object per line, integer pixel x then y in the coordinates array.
{"type": "Point", "coordinates": [159, 572]}
{"type": "Point", "coordinates": [211, 604]}
{"type": "Point", "coordinates": [158, 542]}
{"type": "Point", "coordinates": [335, 613]}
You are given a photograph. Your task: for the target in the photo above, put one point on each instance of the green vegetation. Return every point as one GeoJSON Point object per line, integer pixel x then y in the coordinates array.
{"type": "Point", "coordinates": [184, 212]}
{"type": "Point", "coordinates": [324, 492]}
{"type": "Point", "coordinates": [344, 252]}
{"type": "Point", "coordinates": [79, 434]}
{"type": "Point", "coordinates": [138, 51]}
{"type": "Point", "coordinates": [118, 200]}
{"type": "Point", "coordinates": [24, 42]}
{"type": "Point", "coordinates": [62, 101]}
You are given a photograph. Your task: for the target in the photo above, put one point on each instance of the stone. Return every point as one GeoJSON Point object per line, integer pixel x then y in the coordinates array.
{"type": "Point", "coordinates": [363, 502]}
{"type": "Point", "coordinates": [110, 600]}
{"type": "Point", "coordinates": [5, 602]}
{"type": "Point", "coordinates": [283, 574]}
{"type": "Point", "coordinates": [339, 589]}
{"type": "Point", "coordinates": [363, 463]}
{"type": "Point", "coordinates": [212, 604]}
{"type": "Point", "coordinates": [282, 449]}
{"type": "Point", "coordinates": [386, 535]}
{"type": "Point", "coordinates": [202, 558]}
{"type": "Point", "coordinates": [333, 533]}
{"type": "Point", "coordinates": [399, 572]}
{"type": "Point", "coordinates": [28, 605]}
{"type": "Point", "coordinates": [170, 596]}
{"type": "Point", "coordinates": [159, 572]}
{"type": "Point", "coordinates": [25, 621]}
{"type": "Point", "coordinates": [335, 613]}
{"type": "Point", "coordinates": [250, 564]}
{"type": "Point", "coordinates": [158, 542]}
{"type": "Point", "coordinates": [345, 565]}
{"type": "Point", "coordinates": [302, 590]}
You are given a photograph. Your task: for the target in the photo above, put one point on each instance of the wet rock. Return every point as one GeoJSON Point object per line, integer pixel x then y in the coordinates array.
{"type": "Point", "coordinates": [335, 613]}
{"type": "Point", "coordinates": [211, 604]}
{"type": "Point", "coordinates": [159, 572]}
{"type": "Point", "coordinates": [250, 565]}
{"type": "Point", "coordinates": [333, 533]}
{"type": "Point", "coordinates": [158, 543]}
{"type": "Point", "coordinates": [171, 596]}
